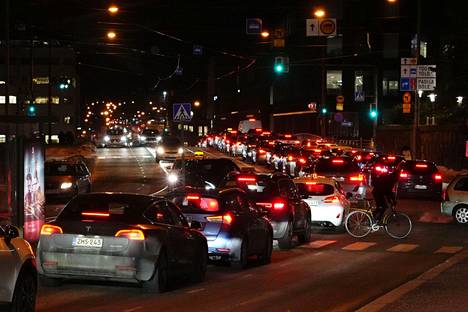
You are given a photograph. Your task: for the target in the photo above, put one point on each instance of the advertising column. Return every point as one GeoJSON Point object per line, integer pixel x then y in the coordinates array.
{"type": "Point", "coordinates": [34, 199]}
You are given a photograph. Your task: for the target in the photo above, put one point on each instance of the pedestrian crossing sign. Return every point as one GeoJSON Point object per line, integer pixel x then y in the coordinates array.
{"type": "Point", "coordinates": [181, 112]}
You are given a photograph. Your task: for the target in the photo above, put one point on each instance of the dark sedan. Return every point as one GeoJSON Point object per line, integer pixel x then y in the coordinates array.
{"type": "Point", "coordinates": [121, 237]}
{"type": "Point", "coordinates": [234, 227]}
{"type": "Point", "coordinates": [419, 179]}
{"type": "Point", "coordinates": [66, 178]}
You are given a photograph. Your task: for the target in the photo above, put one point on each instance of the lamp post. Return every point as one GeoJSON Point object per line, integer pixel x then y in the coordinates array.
{"type": "Point", "coordinates": [320, 13]}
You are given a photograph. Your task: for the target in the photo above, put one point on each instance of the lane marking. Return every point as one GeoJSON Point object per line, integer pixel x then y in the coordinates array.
{"type": "Point", "coordinates": [160, 191]}
{"type": "Point", "coordinates": [133, 309]}
{"type": "Point", "coordinates": [403, 248]}
{"type": "Point", "coordinates": [392, 296]}
{"type": "Point", "coordinates": [448, 250]}
{"type": "Point", "coordinates": [359, 246]}
{"type": "Point", "coordinates": [319, 244]}
{"type": "Point", "coordinates": [194, 291]}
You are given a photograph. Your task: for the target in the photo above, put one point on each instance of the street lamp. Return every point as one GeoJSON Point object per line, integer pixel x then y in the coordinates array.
{"type": "Point", "coordinates": [319, 13]}
{"type": "Point", "coordinates": [196, 103]}
{"type": "Point", "coordinates": [392, 1]}
{"type": "Point", "coordinates": [265, 34]}
{"type": "Point", "coordinates": [113, 9]}
{"type": "Point", "coordinates": [111, 35]}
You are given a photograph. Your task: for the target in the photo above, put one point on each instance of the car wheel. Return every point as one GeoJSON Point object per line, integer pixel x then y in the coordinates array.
{"type": "Point", "coordinates": [160, 280]}
{"type": "Point", "coordinates": [461, 215]}
{"type": "Point", "coordinates": [265, 257]}
{"type": "Point", "coordinates": [24, 295]}
{"type": "Point", "coordinates": [49, 281]}
{"type": "Point", "coordinates": [305, 236]}
{"type": "Point", "coordinates": [285, 242]}
{"type": "Point", "coordinates": [244, 257]}
{"type": "Point", "coordinates": [199, 266]}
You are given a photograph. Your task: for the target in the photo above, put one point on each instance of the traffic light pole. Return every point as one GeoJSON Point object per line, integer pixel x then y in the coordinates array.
{"type": "Point", "coordinates": [414, 134]}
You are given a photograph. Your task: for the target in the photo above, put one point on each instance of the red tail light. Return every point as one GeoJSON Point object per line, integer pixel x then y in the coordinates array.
{"type": "Point", "coordinates": [290, 158]}
{"type": "Point", "coordinates": [391, 157]}
{"type": "Point", "coordinates": [338, 161]}
{"type": "Point", "coordinates": [403, 175]}
{"type": "Point", "coordinates": [193, 197]}
{"type": "Point", "coordinates": [271, 143]}
{"type": "Point", "coordinates": [48, 229]}
{"type": "Point", "coordinates": [317, 151]}
{"type": "Point", "coordinates": [308, 144]}
{"type": "Point", "coordinates": [137, 235]}
{"type": "Point", "coordinates": [331, 200]}
{"type": "Point", "coordinates": [311, 183]}
{"type": "Point", "coordinates": [246, 179]}
{"type": "Point", "coordinates": [95, 214]}
{"type": "Point", "coordinates": [279, 205]}
{"type": "Point", "coordinates": [302, 160]}
{"type": "Point", "coordinates": [258, 130]}
{"type": "Point", "coordinates": [381, 169]}
{"type": "Point", "coordinates": [288, 136]}
{"type": "Point", "coordinates": [227, 141]}
{"type": "Point", "coordinates": [261, 151]}
{"type": "Point", "coordinates": [358, 178]}
{"type": "Point", "coordinates": [266, 205]}
{"type": "Point", "coordinates": [423, 166]}
{"type": "Point", "coordinates": [438, 177]}
{"type": "Point", "coordinates": [225, 219]}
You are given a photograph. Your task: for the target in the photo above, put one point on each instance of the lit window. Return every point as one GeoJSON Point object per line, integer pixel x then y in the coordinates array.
{"type": "Point", "coordinates": [12, 99]}
{"type": "Point", "coordinates": [358, 82]}
{"type": "Point", "coordinates": [41, 80]}
{"type": "Point", "coordinates": [393, 86]}
{"type": "Point", "coordinates": [67, 120]}
{"type": "Point", "coordinates": [45, 100]}
{"type": "Point", "coordinates": [334, 81]}
{"type": "Point", "coordinates": [423, 49]}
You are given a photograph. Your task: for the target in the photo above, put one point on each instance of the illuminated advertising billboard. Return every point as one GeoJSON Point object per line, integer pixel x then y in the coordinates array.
{"type": "Point", "coordinates": [34, 199]}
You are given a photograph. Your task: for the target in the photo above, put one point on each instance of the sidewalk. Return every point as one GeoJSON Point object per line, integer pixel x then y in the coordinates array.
{"type": "Point", "coordinates": [442, 288]}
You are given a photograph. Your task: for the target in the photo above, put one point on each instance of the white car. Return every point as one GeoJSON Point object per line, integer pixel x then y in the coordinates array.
{"type": "Point", "coordinates": [455, 201]}
{"type": "Point", "coordinates": [326, 199]}
{"type": "Point", "coordinates": [18, 275]}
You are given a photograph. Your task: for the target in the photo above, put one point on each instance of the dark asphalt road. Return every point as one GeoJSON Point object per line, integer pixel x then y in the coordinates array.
{"type": "Point", "coordinates": [333, 273]}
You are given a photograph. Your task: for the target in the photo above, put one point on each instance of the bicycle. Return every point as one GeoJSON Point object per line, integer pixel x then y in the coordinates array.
{"type": "Point", "coordinates": [360, 222]}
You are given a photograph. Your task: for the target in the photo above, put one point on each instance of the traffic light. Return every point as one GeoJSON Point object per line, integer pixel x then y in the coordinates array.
{"type": "Point", "coordinates": [31, 110]}
{"type": "Point", "coordinates": [373, 113]}
{"type": "Point", "coordinates": [281, 64]}
{"type": "Point", "coordinates": [324, 110]}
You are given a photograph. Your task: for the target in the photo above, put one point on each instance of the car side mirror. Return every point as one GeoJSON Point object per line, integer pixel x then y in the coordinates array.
{"type": "Point", "coordinates": [10, 232]}
{"type": "Point", "coordinates": [349, 195]}
{"type": "Point", "coordinates": [195, 225]}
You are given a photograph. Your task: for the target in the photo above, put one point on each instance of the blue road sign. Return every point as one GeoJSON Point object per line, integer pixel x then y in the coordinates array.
{"type": "Point", "coordinates": [253, 26]}
{"type": "Point", "coordinates": [406, 85]}
{"type": "Point", "coordinates": [181, 112]}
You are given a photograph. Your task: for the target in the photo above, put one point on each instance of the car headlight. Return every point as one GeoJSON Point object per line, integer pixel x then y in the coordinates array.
{"type": "Point", "coordinates": [160, 150]}
{"type": "Point", "coordinates": [142, 138]}
{"type": "Point", "coordinates": [106, 138]}
{"type": "Point", "coordinates": [172, 178]}
{"type": "Point", "coordinates": [123, 138]}
{"type": "Point", "coordinates": [66, 185]}
{"type": "Point", "coordinates": [180, 150]}
{"type": "Point", "coordinates": [158, 138]}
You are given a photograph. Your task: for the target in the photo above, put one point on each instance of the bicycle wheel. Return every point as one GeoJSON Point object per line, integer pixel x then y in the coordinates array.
{"type": "Point", "coordinates": [398, 225]}
{"type": "Point", "coordinates": [358, 224]}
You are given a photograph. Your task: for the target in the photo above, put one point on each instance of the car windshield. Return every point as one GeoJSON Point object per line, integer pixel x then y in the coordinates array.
{"type": "Point", "coordinates": [315, 189]}
{"type": "Point", "coordinates": [149, 132]}
{"type": "Point", "coordinates": [172, 142]}
{"type": "Point", "coordinates": [120, 208]}
{"type": "Point", "coordinates": [59, 169]}
{"type": "Point", "coordinates": [115, 132]}
{"type": "Point", "coordinates": [192, 203]}
{"type": "Point", "coordinates": [336, 166]}
{"type": "Point", "coordinates": [259, 188]}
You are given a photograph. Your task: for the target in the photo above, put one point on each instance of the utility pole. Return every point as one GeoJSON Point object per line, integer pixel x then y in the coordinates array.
{"type": "Point", "coordinates": [414, 134]}
{"type": "Point", "coordinates": [49, 99]}
{"type": "Point", "coordinates": [7, 64]}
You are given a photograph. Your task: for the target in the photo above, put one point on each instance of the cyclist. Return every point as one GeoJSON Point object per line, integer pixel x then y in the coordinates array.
{"type": "Point", "coordinates": [384, 189]}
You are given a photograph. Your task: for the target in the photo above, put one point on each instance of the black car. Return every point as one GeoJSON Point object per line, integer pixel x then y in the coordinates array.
{"type": "Point", "coordinates": [278, 196]}
{"type": "Point", "coordinates": [66, 178]}
{"type": "Point", "coordinates": [419, 179]}
{"type": "Point", "coordinates": [209, 173]}
{"type": "Point", "coordinates": [233, 226]}
{"type": "Point", "coordinates": [121, 237]}
{"type": "Point", "coordinates": [386, 163]}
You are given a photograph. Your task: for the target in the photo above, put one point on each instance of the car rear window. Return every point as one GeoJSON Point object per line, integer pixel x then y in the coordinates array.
{"type": "Point", "coordinates": [419, 167]}
{"type": "Point", "coordinates": [59, 169]}
{"type": "Point", "coordinates": [126, 209]}
{"type": "Point", "coordinates": [341, 166]}
{"type": "Point", "coordinates": [315, 189]}
{"type": "Point", "coordinates": [197, 204]}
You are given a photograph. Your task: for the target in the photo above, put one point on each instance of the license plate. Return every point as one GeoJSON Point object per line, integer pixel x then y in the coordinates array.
{"type": "Point", "coordinates": [87, 242]}
{"type": "Point", "coordinates": [313, 202]}
{"type": "Point", "coordinates": [420, 187]}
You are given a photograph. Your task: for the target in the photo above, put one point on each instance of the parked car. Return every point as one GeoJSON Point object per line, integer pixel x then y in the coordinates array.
{"type": "Point", "coordinates": [66, 178]}
{"type": "Point", "coordinates": [18, 282]}
{"type": "Point", "coordinates": [326, 199]}
{"type": "Point", "coordinates": [278, 196]}
{"type": "Point", "coordinates": [233, 226]}
{"type": "Point", "coordinates": [347, 172]}
{"type": "Point", "coordinates": [121, 237]}
{"type": "Point", "coordinates": [455, 199]}
{"type": "Point", "coordinates": [419, 179]}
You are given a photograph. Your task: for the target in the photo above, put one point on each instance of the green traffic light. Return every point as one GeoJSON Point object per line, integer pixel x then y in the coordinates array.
{"type": "Point", "coordinates": [324, 110]}
{"type": "Point", "coordinates": [373, 114]}
{"type": "Point", "coordinates": [32, 109]}
{"type": "Point", "coordinates": [279, 68]}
